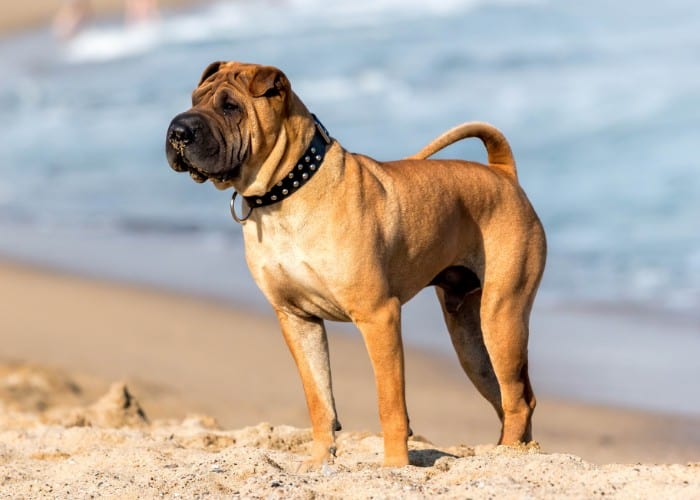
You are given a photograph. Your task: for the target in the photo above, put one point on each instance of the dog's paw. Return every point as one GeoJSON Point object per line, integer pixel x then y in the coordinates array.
{"type": "Point", "coordinates": [395, 452]}
{"type": "Point", "coordinates": [395, 460]}
{"type": "Point", "coordinates": [309, 465]}
{"type": "Point", "coordinates": [321, 455]}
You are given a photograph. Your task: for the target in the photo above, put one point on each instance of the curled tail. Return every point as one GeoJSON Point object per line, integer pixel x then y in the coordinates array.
{"type": "Point", "coordinates": [500, 155]}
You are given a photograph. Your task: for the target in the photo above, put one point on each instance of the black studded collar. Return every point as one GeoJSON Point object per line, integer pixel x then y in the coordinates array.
{"type": "Point", "coordinates": [303, 170]}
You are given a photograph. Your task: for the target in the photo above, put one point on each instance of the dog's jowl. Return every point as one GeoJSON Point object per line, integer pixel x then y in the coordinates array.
{"type": "Point", "coordinates": [332, 235]}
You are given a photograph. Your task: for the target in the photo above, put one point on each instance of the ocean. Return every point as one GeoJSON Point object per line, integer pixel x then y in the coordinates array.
{"type": "Point", "coordinates": [600, 101]}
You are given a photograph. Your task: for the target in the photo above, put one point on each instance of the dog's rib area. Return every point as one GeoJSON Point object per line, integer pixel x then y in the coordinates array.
{"type": "Point", "coordinates": [457, 282]}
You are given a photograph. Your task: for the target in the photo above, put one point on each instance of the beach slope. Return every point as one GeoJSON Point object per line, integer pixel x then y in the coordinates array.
{"type": "Point", "coordinates": [110, 449]}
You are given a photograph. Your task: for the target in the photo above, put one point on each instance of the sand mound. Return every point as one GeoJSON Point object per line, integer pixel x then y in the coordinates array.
{"type": "Point", "coordinates": [30, 388]}
{"type": "Point", "coordinates": [109, 448]}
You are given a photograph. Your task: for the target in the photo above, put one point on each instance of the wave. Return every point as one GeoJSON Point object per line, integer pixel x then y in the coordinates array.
{"type": "Point", "coordinates": [232, 21]}
{"type": "Point", "coordinates": [109, 43]}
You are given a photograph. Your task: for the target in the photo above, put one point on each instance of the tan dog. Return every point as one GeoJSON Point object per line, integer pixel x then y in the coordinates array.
{"type": "Point", "coordinates": [339, 236]}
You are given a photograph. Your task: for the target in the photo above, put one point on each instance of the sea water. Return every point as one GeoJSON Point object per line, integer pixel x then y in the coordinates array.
{"type": "Point", "coordinates": [600, 101]}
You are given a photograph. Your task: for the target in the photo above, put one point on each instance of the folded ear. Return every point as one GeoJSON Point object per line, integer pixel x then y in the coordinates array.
{"type": "Point", "coordinates": [269, 81]}
{"type": "Point", "coordinates": [211, 69]}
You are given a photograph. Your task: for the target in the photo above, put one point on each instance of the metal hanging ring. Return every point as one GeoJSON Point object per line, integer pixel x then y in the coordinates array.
{"type": "Point", "coordinates": [238, 219]}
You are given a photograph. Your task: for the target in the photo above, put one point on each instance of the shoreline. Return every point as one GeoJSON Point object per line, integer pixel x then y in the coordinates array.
{"type": "Point", "coordinates": [186, 354]}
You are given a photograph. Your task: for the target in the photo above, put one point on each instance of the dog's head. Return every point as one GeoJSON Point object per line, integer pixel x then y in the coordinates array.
{"type": "Point", "coordinates": [238, 117]}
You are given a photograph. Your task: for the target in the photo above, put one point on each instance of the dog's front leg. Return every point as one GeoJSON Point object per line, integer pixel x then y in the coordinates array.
{"type": "Point", "coordinates": [381, 330]}
{"type": "Point", "coordinates": [307, 341]}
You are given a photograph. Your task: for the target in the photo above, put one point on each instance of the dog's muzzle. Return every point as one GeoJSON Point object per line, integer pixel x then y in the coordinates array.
{"type": "Point", "coordinates": [190, 147]}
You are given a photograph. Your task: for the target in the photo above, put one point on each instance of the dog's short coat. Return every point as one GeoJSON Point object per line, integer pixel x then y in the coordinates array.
{"type": "Point", "coordinates": [362, 237]}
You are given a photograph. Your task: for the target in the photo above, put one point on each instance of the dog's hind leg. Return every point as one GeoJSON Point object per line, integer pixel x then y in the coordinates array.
{"type": "Point", "coordinates": [462, 318]}
{"type": "Point", "coordinates": [489, 331]}
{"type": "Point", "coordinates": [505, 334]}
{"type": "Point", "coordinates": [308, 343]}
{"type": "Point", "coordinates": [511, 276]}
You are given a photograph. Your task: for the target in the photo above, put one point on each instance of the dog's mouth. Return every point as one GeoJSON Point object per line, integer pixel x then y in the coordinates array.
{"type": "Point", "coordinates": [224, 177]}
{"type": "Point", "coordinates": [181, 164]}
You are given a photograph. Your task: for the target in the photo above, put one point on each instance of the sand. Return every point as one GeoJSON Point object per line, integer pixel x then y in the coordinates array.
{"type": "Point", "coordinates": [196, 368]}
{"type": "Point", "coordinates": [111, 449]}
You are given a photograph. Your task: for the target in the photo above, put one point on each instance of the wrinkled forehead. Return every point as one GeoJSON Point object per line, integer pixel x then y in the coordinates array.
{"type": "Point", "coordinates": [230, 75]}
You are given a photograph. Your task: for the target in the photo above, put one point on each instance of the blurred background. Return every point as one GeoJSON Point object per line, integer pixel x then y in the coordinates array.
{"type": "Point", "coordinates": [600, 101]}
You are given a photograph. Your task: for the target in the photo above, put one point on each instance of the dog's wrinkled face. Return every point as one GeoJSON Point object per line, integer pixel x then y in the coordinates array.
{"type": "Point", "coordinates": [232, 125]}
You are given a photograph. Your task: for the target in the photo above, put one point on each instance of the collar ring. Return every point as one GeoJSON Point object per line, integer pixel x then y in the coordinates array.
{"type": "Point", "coordinates": [235, 216]}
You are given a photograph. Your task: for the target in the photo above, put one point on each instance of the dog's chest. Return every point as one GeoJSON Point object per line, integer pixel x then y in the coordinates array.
{"type": "Point", "coordinates": [295, 271]}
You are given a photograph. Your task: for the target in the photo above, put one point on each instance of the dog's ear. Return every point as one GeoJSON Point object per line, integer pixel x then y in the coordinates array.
{"type": "Point", "coordinates": [211, 69]}
{"type": "Point", "coordinates": [269, 81]}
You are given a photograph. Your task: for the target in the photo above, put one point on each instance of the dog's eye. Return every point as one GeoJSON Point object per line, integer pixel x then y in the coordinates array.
{"type": "Point", "coordinates": [229, 107]}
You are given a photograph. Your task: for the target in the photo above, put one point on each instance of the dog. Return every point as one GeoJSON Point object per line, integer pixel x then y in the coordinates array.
{"type": "Point", "coordinates": [333, 235]}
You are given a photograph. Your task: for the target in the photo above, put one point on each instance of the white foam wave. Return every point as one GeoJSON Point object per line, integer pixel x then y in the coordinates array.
{"type": "Point", "coordinates": [235, 21]}
{"type": "Point", "coordinates": [370, 7]}
{"type": "Point", "coordinates": [109, 43]}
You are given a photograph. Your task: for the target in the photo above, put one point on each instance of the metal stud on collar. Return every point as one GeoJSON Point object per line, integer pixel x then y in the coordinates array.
{"type": "Point", "coordinates": [238, 219]}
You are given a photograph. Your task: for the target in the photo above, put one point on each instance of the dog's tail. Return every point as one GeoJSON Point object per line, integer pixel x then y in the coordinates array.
{"type": "Point", "coordinates": [500, 155]}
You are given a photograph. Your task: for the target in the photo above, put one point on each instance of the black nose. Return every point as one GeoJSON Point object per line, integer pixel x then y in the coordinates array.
{"type": "Point", "coordinates": [183, 128]}
{"type": "Point", "coordinates": [179, 132]}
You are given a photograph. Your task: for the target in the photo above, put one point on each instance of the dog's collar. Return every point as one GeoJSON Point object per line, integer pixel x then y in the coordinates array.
{"type": "Point", "coordinates": [302, 171]}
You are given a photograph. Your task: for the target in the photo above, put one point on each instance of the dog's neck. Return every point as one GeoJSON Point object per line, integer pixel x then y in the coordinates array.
{"type": "Point", "coordinates": [300, 171]}
{"type": "Point", "coordinates": [264, 177]}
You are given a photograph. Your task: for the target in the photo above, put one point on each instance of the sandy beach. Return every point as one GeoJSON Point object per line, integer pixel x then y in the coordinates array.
{"type": "Point", "coordinates": [199, 368]}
